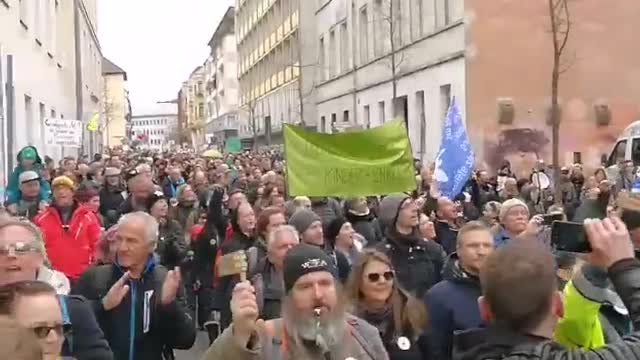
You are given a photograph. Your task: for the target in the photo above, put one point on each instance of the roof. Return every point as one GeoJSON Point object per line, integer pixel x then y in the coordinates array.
{"type": "Point", "coordinates": [225, 27]}
{"type": "Point", "coordinates": [109, 68]}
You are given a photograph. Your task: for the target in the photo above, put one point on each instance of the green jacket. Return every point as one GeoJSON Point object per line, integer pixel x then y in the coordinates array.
{"type": "Point", "coordinates": [580, 326]}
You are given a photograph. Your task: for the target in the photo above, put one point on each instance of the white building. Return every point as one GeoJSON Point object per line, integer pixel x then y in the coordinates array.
{"type": "Point", "coordinates": [40, 37]}
{"type": "Point", "coordinates": [276, 50]}
{"type": "Point", "coordinates": [154, 131]}
{"type": "Point", "coordinates": [355, 77]}
{"type": "Point", "coordinates": [221, 74]}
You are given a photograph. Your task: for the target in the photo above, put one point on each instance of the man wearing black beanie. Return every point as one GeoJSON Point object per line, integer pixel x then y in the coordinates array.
{"type": "Point", "coordinates": [314, 322]}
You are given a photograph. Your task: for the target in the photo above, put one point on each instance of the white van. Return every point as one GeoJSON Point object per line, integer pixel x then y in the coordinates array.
{"type": "Point", "coordinates": [627, 148]}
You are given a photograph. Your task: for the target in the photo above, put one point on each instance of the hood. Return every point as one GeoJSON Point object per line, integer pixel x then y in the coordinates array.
{"type": "Point", "coordinates": [389, 209]}
{"type": "Point", "coordinates": [38, 158]}
{"type": "Point", "coordinates": [56, 279]}
{"type": "Point", "coordinates": [491, 343]}
{"type": "Point", "coordinates": [452, 271]}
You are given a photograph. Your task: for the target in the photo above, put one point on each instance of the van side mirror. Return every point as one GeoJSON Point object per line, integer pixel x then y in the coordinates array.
{"type": "Point", "coordinates": [603, 160]}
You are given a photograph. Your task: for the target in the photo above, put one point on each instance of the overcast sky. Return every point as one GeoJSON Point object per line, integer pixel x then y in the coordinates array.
{"type": "Point", "coordinates": [158, 43]}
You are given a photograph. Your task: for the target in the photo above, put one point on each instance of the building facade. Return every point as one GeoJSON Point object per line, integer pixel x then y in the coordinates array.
{"type": "Point", "coordinates": [116, 109]}
{"type": "Point", "coordinates": [374, 51]}
{"type": "Point", "coordinates": [154, 131]}
{"type": "Point", "coordinates": [275, 52]}
{"type": "Point", "coordinates": [56, 71]}
{"type": "Point", "coordinates": [221, 74]}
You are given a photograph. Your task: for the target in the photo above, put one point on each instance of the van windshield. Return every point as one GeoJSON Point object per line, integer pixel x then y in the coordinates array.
{"type": "Point", "coordinates": [617, 155]}
{"type": "Point", "coordinates": [635, 151]}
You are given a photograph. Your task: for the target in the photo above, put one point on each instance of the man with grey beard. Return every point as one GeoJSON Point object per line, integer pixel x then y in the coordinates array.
{"type": "Point", "coordinates": [314, 322]}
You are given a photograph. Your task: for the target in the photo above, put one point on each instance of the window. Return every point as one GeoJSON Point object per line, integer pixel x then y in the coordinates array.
{"type": "Point", "coordinates": [344, 47]}
{"type": "Point", "coordinates": [364, 38]}
{"type": "Point", "coordinates": [38, 20]}
{"type": "Point", "coordinates": [28, 114]}
{"type": "Point", "coordinates": [345, 116]}
{"type": "Point", "coordinates": [445, 100]}
{"type": "Point", "coordinates": [53, 114]}
{"type": "Point", "coordinates": [380, 33]}
{"type": "Point", "coordinates": [323, 124]}
{"type": "Point", "coordinates": [417, 21]}
{"type": "Point", "coordinates": [367, 117]}
{"type": "Point", "coordinates": [323, 60]}
{"type": "Point", "coordinates": [333, 122]}
{"type": "Point", "coordinates": [443, 13]}
{"type": "Point", "coordinates": [332, 53]}
{"type": "Point", "coordinates": [618, 153]}
{"type": "Point", "coordinates": [422, 119]}
{"type": "Point", "coordinates": [381, 110]}
{"type": "Point", "coordinates": [397, 22]}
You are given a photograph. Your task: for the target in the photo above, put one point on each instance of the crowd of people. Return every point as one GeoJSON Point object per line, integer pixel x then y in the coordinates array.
{"type": "Point", "coordinates": [121, 256]}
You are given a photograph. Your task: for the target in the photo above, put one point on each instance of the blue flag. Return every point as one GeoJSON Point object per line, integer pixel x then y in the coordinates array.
{"type": "Point", "coordinates": [455, 159]}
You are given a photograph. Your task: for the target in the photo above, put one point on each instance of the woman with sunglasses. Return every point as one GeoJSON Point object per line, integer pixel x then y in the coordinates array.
{"type": "Point", "coordinates": [376, 297]}
{"type": "Point", "coordinates": [34, 306]}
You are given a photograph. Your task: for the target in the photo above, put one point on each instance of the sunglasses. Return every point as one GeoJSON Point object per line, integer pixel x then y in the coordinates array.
{"type": "Point", "coordinates": [375, 277]}
{"type": "Point", "coordinates": [43, 331]}
{"type": "Point", "coordinates": [19, 248]}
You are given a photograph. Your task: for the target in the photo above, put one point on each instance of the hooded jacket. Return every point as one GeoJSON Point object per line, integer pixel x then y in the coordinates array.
{"type": "Point", "coordinates": [498, 343]}
{"type": "Point", "coordinates": [140, 328]}
{"type": "Point", "coordinates": [13, 187]}
{"type": "Point", "coordinates": [409, 254]}
{"type": "Point", "coordinates": [365, 225]}
{"type": "Point", "coordinates": [452, 306]}
{"type": "Point", "coordinates": [70, 247]}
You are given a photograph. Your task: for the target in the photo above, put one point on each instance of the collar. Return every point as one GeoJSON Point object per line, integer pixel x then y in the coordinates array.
{"type": "Point", "coordinates": [148, 267]}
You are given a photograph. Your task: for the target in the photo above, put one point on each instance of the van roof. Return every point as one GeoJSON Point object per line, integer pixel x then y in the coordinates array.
{"type": "Point", "coordinates": [633, 130]}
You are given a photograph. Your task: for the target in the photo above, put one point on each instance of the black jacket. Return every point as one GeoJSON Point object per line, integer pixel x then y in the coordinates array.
{"type": "Point", "coordinates": [365, 225]}
{"type": "Point", "coordinates": [172, 247]}
{"type": "Point", "coordinates": [495, 343]}
{"type": "Point", "coordinates": [110, 201]}
{"type": "Point", "coordinates": [413, 348]}
{"type": "Point", "coordinates": [446, 236]}
{"type": "Point", "coordinates": [140, 320]}
{"type": "Point", "coordinates": [418, 263]}
{"type": "Point", "coordinates": [87, 340]}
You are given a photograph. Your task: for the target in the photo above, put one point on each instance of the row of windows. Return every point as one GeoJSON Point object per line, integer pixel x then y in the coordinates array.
{"type": "Point", "coordinates": [383, 113]}
{"type": "Point", "coordinates": [390, 24]}
{"type": "Point", "coordinates": [150, 122]}
{"type": "Point", "coordinates": [30, 119]}
{"type": "Point", "coordinates": [149, 131]}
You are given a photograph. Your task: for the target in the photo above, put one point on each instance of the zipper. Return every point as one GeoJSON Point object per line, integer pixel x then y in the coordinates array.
{"type": "Point", "coordinates": [132, 320]}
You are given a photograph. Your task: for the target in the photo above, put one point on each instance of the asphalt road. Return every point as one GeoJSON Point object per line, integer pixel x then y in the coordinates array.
{"type": "Point", "coordinates": [201, 345]}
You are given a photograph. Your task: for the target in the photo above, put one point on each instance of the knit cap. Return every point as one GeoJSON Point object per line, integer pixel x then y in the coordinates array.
{"type": "Point", "coordinates": [302, 219]}
{"type": "Point", "coordinates": [510, 204]}
{"type": "Point", "coordinates": [304, 259]}
{"type": "Point", "coordinates": [334, 227]}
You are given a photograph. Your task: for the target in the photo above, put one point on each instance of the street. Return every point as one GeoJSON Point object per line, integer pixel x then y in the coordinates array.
{"type": "Point", "coordinates": [202, 342]}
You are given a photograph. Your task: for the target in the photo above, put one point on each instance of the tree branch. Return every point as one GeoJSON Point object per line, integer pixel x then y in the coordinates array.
{"type": "Point", "coordinates": [567, 14]}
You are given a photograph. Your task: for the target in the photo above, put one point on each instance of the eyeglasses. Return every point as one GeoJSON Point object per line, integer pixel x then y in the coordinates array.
{"type": "Point", "coordinates": [19, 248]}
{"type": "Point", "coordinates": [375, 277]}
{"type": "Point", "coordinates": [43, 331]}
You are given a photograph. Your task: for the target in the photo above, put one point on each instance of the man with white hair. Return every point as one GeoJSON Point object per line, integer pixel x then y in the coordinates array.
{"type": "Point", "coordinates": [23, 258]}
{"type": "Point", "coordinates": [172, 182]}
{"type": "Point", "coordinates": [135, 298]}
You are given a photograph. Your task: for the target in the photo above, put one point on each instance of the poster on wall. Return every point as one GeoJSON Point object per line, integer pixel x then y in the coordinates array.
{"type": "Point", "coordinates": [63, 132]}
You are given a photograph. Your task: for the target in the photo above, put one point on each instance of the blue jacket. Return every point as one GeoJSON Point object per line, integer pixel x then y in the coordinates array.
{"type": "Point", "coordinates": [452, 306]}
{"type": "Point", "coordinates": [140, 328]}
{"type": "Point", "coordinates": [13, 187]}
{"type": "Point", "coordinates": [170, 189]}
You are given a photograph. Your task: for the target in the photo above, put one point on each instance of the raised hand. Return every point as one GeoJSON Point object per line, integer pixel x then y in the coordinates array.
{"type": "Point", "coordinates": [244, 309]}
{"type": "Point", "coordinates": [170, 286]}
{"type": "Point", "coordinates": [610, 241]}
{"type": "Point", "coordinates": [117, 292]}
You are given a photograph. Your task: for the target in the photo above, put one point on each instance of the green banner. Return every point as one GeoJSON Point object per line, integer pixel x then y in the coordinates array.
{"type": "Point", "coordinates": [233, 145]}
{"type": "Point", "coordinates": [359, 163]}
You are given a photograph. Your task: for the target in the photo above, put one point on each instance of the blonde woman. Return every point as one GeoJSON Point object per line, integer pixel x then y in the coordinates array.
{"type": "Point", "coordinates": [376, 297]}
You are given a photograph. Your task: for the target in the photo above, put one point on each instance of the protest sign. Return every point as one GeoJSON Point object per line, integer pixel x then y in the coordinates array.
{"type": "Point", "coordinates": [233, 145]}
{"type": "Point", "coordinates": [359, 163]}
{"type": "Point", "coordinates": [63, 132]}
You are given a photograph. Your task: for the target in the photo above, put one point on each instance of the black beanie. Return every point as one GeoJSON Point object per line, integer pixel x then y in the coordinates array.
{"type": "Point", "coordinates": [333, 229]}
{"type": "Point", "coordinates": [303, 259]}
{"type": "Point", "coordinates": [154, 198]}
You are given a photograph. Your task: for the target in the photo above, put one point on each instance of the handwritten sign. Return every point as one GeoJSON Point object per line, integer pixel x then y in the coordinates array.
{"type": "Point", "coordinates": [63, 132]}
{"type": "Point", "coordinates": [358, 163]}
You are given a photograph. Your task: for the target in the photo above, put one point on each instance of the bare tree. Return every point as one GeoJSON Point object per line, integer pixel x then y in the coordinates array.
{"type": "Point", "coordinates": [560, 19]}
{"type": "Point", "coordinates": [390, 16]}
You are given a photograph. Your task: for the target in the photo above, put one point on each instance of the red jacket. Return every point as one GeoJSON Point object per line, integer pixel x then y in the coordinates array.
{"type": "Point", "coordinates": [70, 251]}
